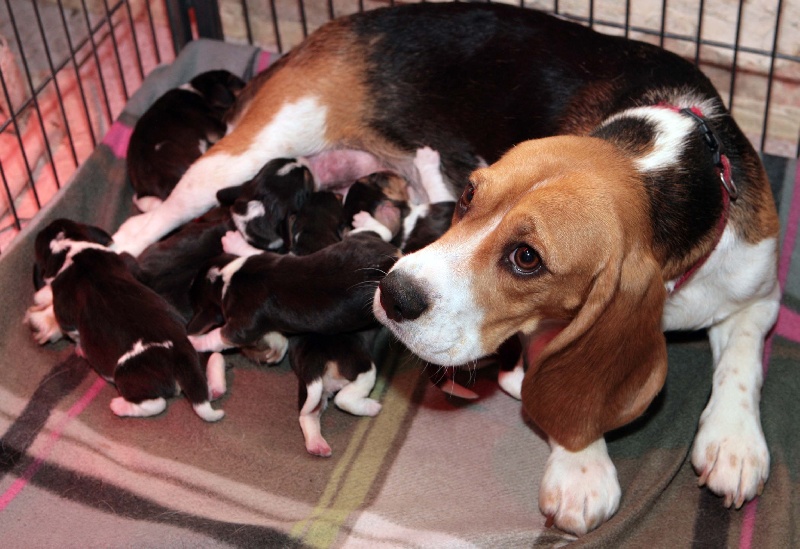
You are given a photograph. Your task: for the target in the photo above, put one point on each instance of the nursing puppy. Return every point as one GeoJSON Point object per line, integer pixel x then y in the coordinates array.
{"type": "Point", "coordinates": [422, 219]}
{"type": "Point", "coordinates": [318, 224]}
{"type": "Point", "coordinates": [328, 366]}
{"type": "Point", "coordinates": [171, 265]}
{"type": "Point", "coordinates": [126, 332]}
{"type": "Point", "coordinates": [261, 207]}
{"type": "Point", "coordinates": [540, 76]}
{"type": "Point", "coordinates": [263, 296]}
{"type": "Point", "coordinates": [175, 131]}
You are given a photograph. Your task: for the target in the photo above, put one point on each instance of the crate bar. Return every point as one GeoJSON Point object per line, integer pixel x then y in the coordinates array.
{"type": "Point", "coordinates": [735, 60]}
{"type": "Point", "coordinates": [115, 46]}
{"type": "Point", "coordinates": [54, 79]}
{"type": "Point", "coordinates": [246, 15]}
{"type": "Point", "coordinates": [97, 59]}
{"type": "Point", "coordinates": [698, 44]}
{"type": "Point", "coordinates": [275, 28]}
{"type": "Point", "coordinates": [76, 66]}
{"type": "Point", "coordinates": [301, 8]}
{"type": "Point", "coordinates": [152, 31]}
{"type": "Point", "coordinates": [16, 224]}
{"type": "Point", "coordinates": [771, 74]}
{"type": "Point", "coordinates": [135, 38]}
{"type": "Point", "coordinates": [36, 107]}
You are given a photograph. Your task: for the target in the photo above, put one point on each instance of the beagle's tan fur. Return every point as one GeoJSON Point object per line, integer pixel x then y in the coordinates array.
{"type": "Point", "coordinates": [555, 243]}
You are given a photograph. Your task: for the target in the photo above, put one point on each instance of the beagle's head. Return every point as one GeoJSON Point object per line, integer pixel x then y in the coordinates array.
{"type": "Point", "coordinates": [554, 243]}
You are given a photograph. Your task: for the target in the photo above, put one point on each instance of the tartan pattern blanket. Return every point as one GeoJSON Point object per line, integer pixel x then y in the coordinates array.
{"type": "Point", "coordinates": [428, 471]}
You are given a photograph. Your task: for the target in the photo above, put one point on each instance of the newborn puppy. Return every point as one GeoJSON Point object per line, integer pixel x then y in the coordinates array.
{"type": "Point", "coordinates": [318, 224]}
{"type": "Point", "coordinates": [175, 131]}
{"type": "Point", "coordinates": [420, 221]}
{"type": "Point", "coordinates": [261, 207]}
{"type": "Point", "coordinates": [328, 365]}
{"type": "Point", "coordinates": [126, 331]}
{"type": "Point", "coordinates": [170, 266]}
{"type": "Point", "coordinates": [263, 293]}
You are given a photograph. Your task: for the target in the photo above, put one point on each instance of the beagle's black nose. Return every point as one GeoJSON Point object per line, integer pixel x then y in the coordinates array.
{"type": "Point", "coordinates": [402, 298]}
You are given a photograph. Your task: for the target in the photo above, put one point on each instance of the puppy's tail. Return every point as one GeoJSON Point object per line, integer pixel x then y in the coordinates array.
{"type": "Point", "coordinates": [194, 384]}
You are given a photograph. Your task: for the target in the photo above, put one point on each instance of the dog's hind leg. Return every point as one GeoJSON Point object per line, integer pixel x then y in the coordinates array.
{"type": "Point", "coordinates": [215, 373]}
{"type": "Point", "coordinates": [146, 408]}
{"type": "Point", "coordinates": [211, 342]}
{"type": "Point", "coordinates": [309, 419]}
{"type": "Point", "coordinates": [730, 453]}
{"type": "Point", "coordinates": [295, 129]}
{"type": "Point", "coordinates": [353, 397]}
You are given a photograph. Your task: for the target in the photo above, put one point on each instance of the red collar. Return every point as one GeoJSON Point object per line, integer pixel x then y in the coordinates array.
{"type": "Point", "coordinates": [723, 167]}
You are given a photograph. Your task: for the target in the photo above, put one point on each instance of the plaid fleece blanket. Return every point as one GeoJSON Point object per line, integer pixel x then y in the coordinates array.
{"type": "Point", "coordinates": [429, 471]}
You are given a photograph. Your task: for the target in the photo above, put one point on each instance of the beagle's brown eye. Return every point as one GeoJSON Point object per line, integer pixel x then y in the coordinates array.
{"type": "Point", "coordinates": [466, 196]}
{"type": "Point", "coordinates": [525, 259]}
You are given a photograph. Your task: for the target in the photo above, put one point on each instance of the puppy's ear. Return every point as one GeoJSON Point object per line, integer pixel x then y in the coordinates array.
{"type": "Point", "coordinates": [604, 367]}
{"type": "Point", "coordinates": [228, 195]}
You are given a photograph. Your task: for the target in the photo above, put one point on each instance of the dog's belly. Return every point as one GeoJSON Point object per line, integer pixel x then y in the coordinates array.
{"type": "Point", "coordinates": [338, 169]}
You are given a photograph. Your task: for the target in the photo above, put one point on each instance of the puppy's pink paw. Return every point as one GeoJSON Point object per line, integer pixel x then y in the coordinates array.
{"type": "Point", "coordinates": [215, 373]}
{"type": "Point", "coordinates": [371, 407]}
{"type": "Point", "coordinates": [43, 325]}
{"type": "Point", "coordinates": [319, 447]}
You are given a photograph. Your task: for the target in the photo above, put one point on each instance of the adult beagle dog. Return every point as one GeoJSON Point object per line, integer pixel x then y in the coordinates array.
{"type": "Point", "coordinates": [579, 242]}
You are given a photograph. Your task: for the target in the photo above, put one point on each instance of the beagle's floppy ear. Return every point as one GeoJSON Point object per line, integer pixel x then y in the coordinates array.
{"type": "Point", "coordinates": [604, 367]}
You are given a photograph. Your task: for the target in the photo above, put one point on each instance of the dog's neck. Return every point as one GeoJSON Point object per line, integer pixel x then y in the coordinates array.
{"type": "Point", "coordinates": [686, 177]}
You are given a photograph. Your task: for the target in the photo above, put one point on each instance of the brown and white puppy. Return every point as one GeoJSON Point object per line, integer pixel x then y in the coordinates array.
{"type": "Point", "coordinates": [127, 332]}
{"type": "Point", "coordinates": [588, 247]}
{"type": "Point", "coordinates": [389, 81]}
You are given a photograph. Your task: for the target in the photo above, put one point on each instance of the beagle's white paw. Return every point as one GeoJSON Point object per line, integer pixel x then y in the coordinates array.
{"type": "Point", "coordinates": [579, 490]}
{"type": "Point", "coordinates": [731, 455]}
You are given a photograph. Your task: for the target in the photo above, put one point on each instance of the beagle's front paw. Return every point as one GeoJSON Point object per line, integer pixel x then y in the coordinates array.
{"type": "Point", "coordinates": [731, 455]}
{"type": "Point", "coordinates": [579, 490]}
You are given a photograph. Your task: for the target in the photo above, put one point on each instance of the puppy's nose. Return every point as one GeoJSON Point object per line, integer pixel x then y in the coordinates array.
{"type": "Point", "coordinates": [402, 298]}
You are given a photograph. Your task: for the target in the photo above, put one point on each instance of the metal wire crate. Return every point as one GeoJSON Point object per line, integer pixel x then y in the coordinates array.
{"type": "Point", "coordinates": [67, 67]}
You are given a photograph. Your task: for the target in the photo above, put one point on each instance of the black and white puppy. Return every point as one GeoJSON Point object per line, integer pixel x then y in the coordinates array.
{"type": "Point", "coordinates": [126, 331]}
{"type": "Point", "coordinates": [338, 366]}
{"type": "Point", "coordinates": [261, 209]}
{"type": "Point", "coordinates": [170, 265]}
{"type": "Point", "coordinates": [265, 295]}
{"type": "Point", "coordinates": [262, 206]}
{"type": "Point", "coordinates": [318, 224]}
{"type": "Point", "coordinates": [175, 131]}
